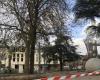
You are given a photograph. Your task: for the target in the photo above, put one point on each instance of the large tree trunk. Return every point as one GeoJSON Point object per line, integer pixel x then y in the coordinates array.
{"type": "Point", "coordinates": [26, 70]}
{"type": "Point", "coordinates": [39, 58]}
{"type": "Point", "coordinates": [32, 49]}
{"type": "Point", "coordinates": [9, 62]}
{"type": "Point", "coordinates": [61, 63]}
{"type": "Point", "coordinates": [32, 54]}
{"type": "Point", "coordinates": [32, 60]}
{"type": "Point", "coordinates": [33, 21]}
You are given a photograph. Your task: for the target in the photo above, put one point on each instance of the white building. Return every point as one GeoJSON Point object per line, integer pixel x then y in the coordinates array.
{"type": "Point", "coordinates": [18, 61]}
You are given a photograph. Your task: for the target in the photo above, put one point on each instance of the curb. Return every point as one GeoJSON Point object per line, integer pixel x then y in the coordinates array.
{"type": "Point", "coordinates": [69, 76]}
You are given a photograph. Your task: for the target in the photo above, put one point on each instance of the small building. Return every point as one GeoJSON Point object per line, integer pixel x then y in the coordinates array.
{"type": "Point", "coordinates": [17, 61]}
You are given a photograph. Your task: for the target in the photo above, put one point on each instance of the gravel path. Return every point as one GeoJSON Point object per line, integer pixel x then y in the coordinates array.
{"type": "Point", "coordinates": [88, 78]}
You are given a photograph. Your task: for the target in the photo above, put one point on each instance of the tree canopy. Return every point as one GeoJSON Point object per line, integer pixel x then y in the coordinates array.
{"type": "Point", "coordinates": [62, 50]}
{"type": "Point", "coordinates": [29, 18]}
{"type": "Point", "coordinates": [88, 9]}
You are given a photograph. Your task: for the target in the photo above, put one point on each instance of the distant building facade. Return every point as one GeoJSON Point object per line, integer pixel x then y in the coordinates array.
{"type": "Point", "coordinates": [18, 61]}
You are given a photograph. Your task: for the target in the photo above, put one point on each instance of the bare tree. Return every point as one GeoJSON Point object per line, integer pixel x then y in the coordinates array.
{"type": "Point", "coordinates": [29, 17]}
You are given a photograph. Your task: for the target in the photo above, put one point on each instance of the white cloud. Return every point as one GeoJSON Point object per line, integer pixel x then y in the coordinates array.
{"type": "Point", "coordinates": [81, 46]}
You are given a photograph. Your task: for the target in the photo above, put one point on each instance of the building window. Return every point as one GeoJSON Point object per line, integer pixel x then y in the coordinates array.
{"type": "Point", "coordinates": [13, 59]}
{"type": "Point", "coordinates": [36, 57]}
{"type": "Point", "coordinates": [16, 66]}
{"type": "Point", "coordinates": [17, 59]}
{"type": "Point", "coordinates": [21, 55]}
{"type": "Point", "coordinates": [22, 59]}
{"type": "Point", "coordinates": [13, 55]}
{"type": "Point", "coordinates": [18, 55]}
